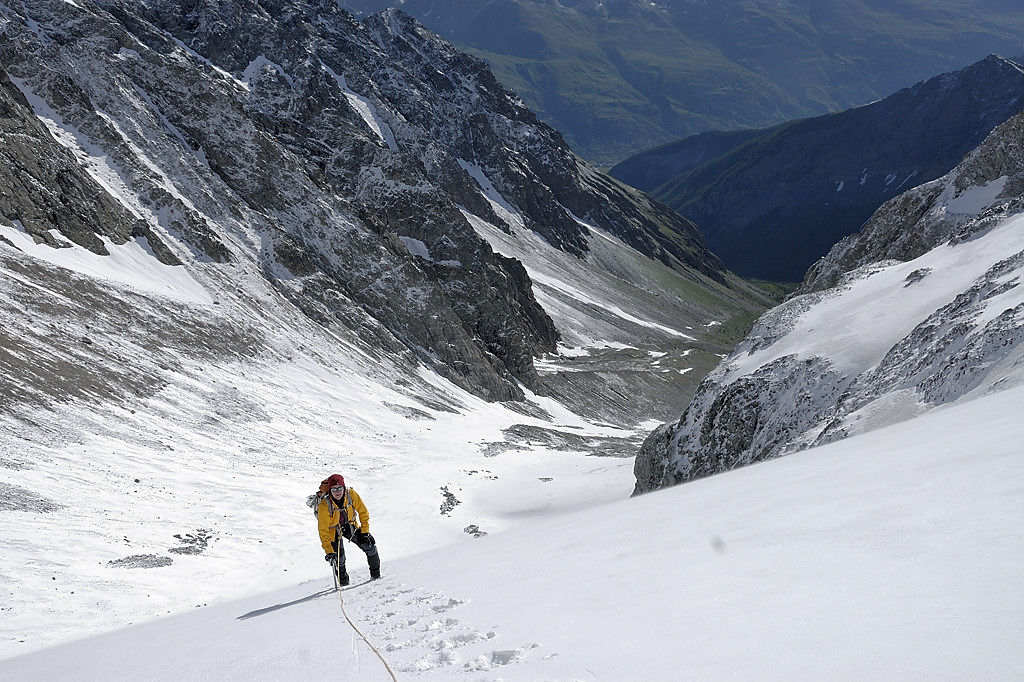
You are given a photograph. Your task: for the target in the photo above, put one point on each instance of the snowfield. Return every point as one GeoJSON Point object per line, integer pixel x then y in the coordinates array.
{"type": "Point", "coordinates": [894, 555]}
{"type": "Point", "coordinates": [162, 427]}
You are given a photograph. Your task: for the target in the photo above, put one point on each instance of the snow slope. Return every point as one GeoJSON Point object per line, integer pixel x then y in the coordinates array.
{"type": "Point", "coordinates": [893, 555]}
{"type": "Point", "coordinates": [859, 323]}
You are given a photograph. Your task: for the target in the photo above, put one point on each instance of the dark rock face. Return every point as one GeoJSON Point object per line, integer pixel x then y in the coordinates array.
{"type": "Point", "coordinates": [773, 205]}
{"type": "Point", "coordinates": [967, 345]}
{"type": "Point", "coordinates": [917, 221]}
{"type": "Point", "coordinates": [654, 167]}
{"type": "Point", "coordinates": [746, 421]}
{"type": "Point", "coordinates": [43, 187]}
{"type": "Point", "coordinates": [341, 157]}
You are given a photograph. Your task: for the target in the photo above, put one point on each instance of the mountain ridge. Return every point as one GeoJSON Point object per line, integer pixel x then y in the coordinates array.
{"type": "Point", "coordinates": [950, 251]}
{"type": "Point", "coordinates": [621, 77]}
{"type": "Point", "coordinates": [780, 198]}
{"type": "Point", "coordinates": [342, 172]}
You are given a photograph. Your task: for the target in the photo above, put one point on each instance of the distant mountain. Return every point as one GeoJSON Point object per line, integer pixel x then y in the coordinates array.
{"type": "Point", "coordinates": [923, 308]}
{"type": "Point", "coordinates": [652, 168]}
{"type": "Point", "coordinates": [620, 76]}
{"type": "Point", "coordinates": [780, 198]}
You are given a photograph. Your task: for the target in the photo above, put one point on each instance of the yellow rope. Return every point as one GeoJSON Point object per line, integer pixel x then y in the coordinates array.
{"type": "Point", "coordinates": [391, 672]}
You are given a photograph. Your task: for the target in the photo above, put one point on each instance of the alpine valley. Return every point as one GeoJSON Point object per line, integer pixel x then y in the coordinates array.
{"type": "Point", "coordinates": [245, 244]}
{"type": "Point", "coordinates": [621, 76]}
{"type": "Point", "coordinates": [771, 202]}
{"type": "Point", "coordinates": [361, 184]}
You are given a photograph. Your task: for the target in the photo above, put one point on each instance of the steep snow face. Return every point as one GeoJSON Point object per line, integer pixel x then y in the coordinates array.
{"type": "Point", "coordinates": [891, 339]}
{"type": "Point", "coordinates": [893, 555]}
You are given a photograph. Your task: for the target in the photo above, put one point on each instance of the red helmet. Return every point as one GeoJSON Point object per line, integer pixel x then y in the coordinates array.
{"type": "Point", "coordinates": [330, 482]}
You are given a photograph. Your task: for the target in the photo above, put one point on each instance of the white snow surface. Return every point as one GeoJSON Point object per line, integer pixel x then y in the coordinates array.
{"type": "Point", "coordinates": [894, 555]}
{"type": "Point", "coordinates": [132, 263]}
{"type": "Point", "coordinates": [855, 326]}
{"type": "Point", "coordinates": [508, 213]}
{"type": "Point", "coordinates": [365, 108]}
{"type": "Point", "coordinates": [976, 199]}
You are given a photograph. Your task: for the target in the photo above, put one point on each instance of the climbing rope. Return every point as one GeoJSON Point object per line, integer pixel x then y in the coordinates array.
{"type": "Point", "coordinates": [337, 584]}
{"type": "Point", "coordinates": [341, 596]}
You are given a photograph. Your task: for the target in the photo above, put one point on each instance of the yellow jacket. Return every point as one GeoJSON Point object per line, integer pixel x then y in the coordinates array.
{"type": "Point", "coordinates": [330, 517]}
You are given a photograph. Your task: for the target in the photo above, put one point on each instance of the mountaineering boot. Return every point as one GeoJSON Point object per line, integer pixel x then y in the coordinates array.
{"type": "Point", "coordinates": [342, 576]}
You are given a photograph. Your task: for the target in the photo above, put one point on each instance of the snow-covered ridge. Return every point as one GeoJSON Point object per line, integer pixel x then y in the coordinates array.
{"type": "Point", "coordinates": [927, 309]}
{"type": "Point", "coordinates": [852, 326]}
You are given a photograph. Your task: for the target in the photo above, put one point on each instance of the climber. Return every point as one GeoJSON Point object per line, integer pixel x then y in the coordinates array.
{"type": "Point", "coordinates": [341, 513]}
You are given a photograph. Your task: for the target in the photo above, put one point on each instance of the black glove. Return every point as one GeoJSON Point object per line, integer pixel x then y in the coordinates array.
{"type": "Point", "coordinates": [365, 539]}
{"type": "Point", "coordinates": [331, 558]}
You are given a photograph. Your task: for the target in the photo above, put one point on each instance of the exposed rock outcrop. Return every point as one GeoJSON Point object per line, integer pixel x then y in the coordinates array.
{"type": "Point", "coordinates": [336, 156]}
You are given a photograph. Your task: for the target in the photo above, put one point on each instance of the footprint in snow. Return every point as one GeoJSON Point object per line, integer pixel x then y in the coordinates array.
{"type": "Point", "coordinates": [416, 639]}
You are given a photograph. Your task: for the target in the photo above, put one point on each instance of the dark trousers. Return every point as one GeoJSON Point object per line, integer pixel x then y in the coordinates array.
{"type": "Point", "coordinates": [364, 542]}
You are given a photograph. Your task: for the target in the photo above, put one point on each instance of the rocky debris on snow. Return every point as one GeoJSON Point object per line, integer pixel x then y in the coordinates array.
{"type": "Point", "coordinates": [14, 464]}
{"type": "Point", "coordinates": [482, 472]}
{"type": "Point", "coordinates": [450, 501]}
{"type": "Point", "coordinates": [15, 498]}
{"type": "Point", "coordinates": [408, 412]}
{"type": "Point", "coordinates": [193, 543]}
{"type": "Point", "coordinates": [474, 530]}
{"type": "Point", "coordinates": [529, 436]}
{"type": "Point", "coordinates": [141, 561]}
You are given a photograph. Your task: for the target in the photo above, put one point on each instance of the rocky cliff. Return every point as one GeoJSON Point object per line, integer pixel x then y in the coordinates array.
{"type": "Point", "coordinates": [336, 161]}
{"type": "Point", "coordinates": [922, 309]}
